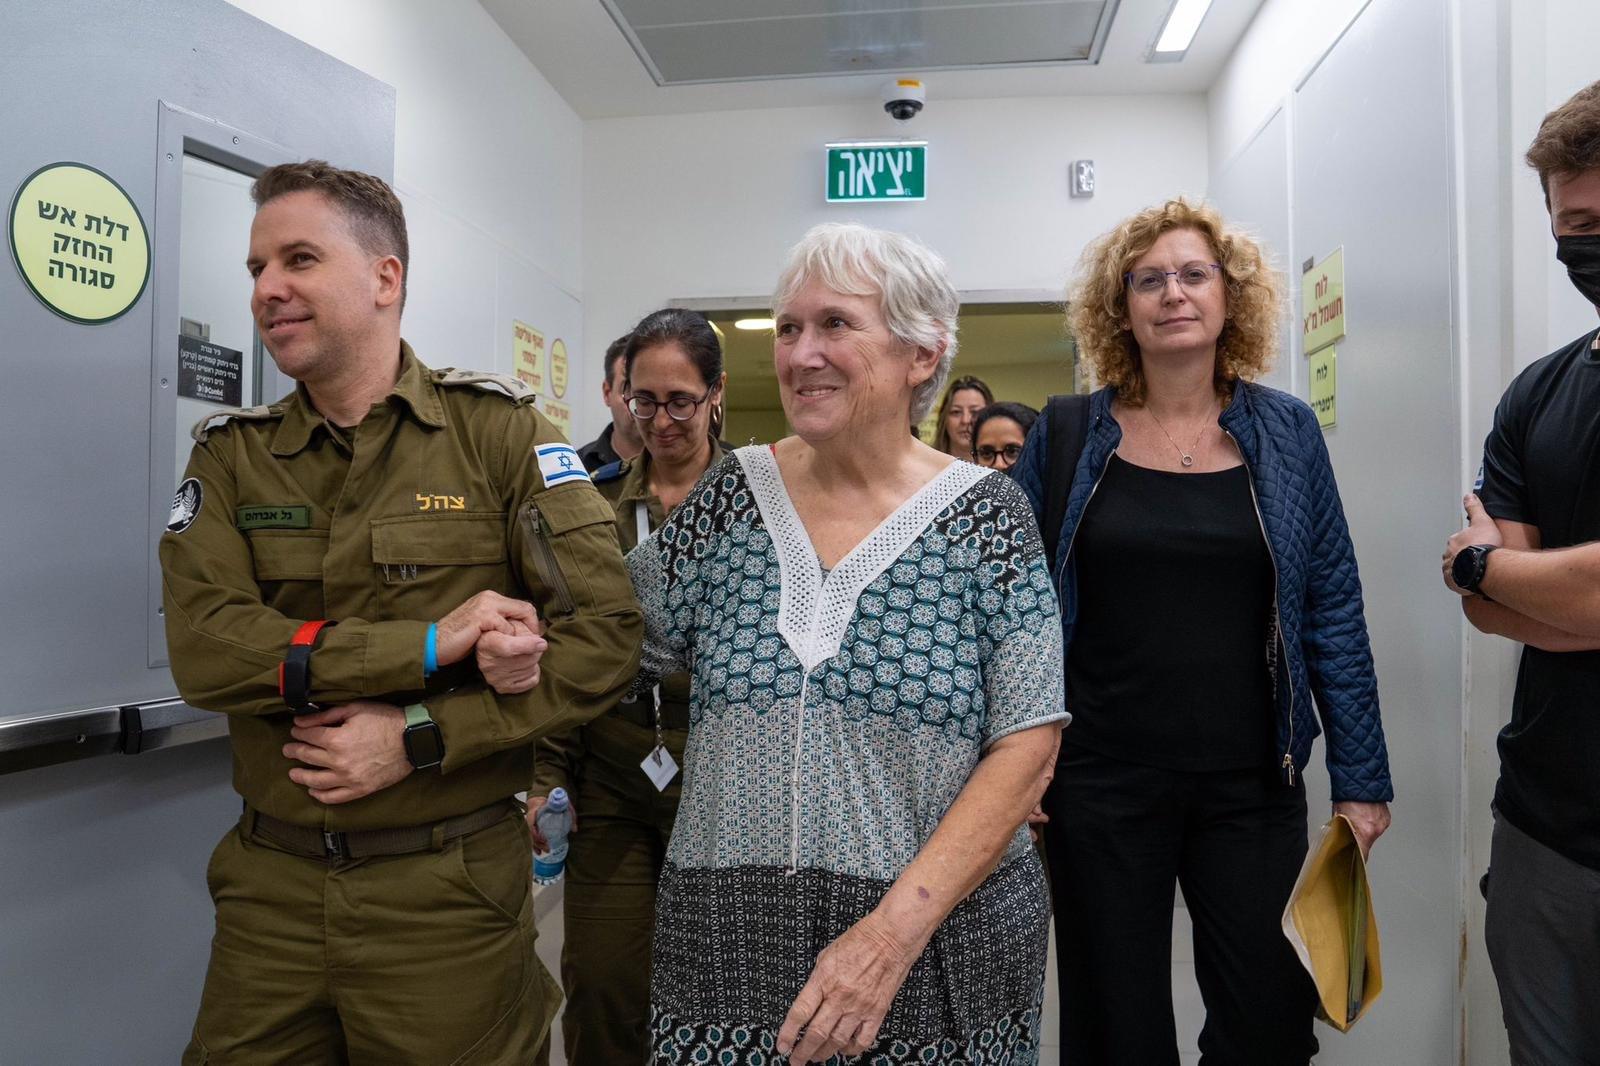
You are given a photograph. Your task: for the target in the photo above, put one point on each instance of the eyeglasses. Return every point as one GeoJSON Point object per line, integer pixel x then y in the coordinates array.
{"type": "Point", "coordinates": [1193, 276]}
{"type": "Point", "coordinates": [680, 408]}
{"type": "Point", "coordinates": [987, 456]}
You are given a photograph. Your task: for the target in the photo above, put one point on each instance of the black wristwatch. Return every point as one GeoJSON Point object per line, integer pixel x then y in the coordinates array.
{"type": "Point", "coordinates": [424, 743]}
{"type": "Point", "coordinates": [1469, 566]}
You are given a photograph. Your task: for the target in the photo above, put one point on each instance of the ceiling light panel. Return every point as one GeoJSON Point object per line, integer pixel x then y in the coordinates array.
{"type": "Point", "coordinates": [684, 42]}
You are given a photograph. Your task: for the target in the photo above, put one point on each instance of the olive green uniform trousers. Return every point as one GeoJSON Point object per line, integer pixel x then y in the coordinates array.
{"type": "Point", "coordinates": [424, 958]}
{"type": "Point", "coordinates": [609, 904]}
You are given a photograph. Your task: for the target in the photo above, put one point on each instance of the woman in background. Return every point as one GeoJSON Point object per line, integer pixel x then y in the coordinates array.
{"type": "Point", "coordinates": [966, 397]}
{"type": "Point", "coordinates": [998, 433]}
{"type": "Point", "coordinates": [1212, 607]}
{"type": "Point", "coordinates": [673, 387]}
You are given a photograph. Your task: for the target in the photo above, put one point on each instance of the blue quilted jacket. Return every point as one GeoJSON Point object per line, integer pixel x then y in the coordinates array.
{"type": "Point", "coordinates": [1322, 646]}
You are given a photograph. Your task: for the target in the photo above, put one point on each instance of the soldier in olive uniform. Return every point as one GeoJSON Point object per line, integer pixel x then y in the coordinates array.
{"type": "Point", "coordinates": [621, 769]}
{"type": "Point", "coordinates": [393, 582]}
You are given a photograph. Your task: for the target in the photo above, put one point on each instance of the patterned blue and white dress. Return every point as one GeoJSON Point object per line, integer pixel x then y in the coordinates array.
{"type": "Point", "coordinates": [834, 719]}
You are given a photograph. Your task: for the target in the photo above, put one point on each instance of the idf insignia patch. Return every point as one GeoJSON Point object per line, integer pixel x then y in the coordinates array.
{"type": "Point", "coordinates": [559, 463]}
{"type": "Point", "coordinates": [186, 504]}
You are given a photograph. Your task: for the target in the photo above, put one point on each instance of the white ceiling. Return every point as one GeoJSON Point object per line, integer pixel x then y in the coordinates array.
{"type": "Point", "coordinates": [578, 46]}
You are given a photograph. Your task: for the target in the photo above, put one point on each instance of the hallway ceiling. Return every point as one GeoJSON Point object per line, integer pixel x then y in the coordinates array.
{"type": "Point", "coordinates": [718, 55]}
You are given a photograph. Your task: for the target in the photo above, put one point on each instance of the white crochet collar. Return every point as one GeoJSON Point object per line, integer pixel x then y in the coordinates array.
{"type": "Point", "coordinates": [813, 612]}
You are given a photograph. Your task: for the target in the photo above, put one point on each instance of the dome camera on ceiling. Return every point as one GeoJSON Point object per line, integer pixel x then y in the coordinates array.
{"type": "Point", "coordinates": [903, 98]}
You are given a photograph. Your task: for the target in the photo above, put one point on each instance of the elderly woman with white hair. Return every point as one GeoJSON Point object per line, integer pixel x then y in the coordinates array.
{"type": "Point", "coordinates": [875, 654]}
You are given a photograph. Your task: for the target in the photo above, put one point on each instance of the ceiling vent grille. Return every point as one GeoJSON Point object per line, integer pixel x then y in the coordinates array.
{"type": "Point", "coordinates": [689, 42]}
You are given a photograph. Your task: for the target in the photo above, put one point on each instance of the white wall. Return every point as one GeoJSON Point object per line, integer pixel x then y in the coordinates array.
{"type": "Point", "coordinates": [1510, 62]}
{"type": "Point", "coordinates": [1284, 39]}
{"type": "Point", "coordinates": [1395, 192]}
{"type": "Point", "coordinates": [1553, 56]}
{"type": "Point", "coordinates": [488, 162]}
{"type": "Point", "coordinates": [706, 205]}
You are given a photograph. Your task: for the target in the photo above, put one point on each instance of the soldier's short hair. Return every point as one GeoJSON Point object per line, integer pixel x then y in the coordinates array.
{"type": "Point", "coordinates": [616, 351]}
{"type": "Point", "coordinates": [377, 221]}
{"type": "Point", "coordinates": [1568, 141]}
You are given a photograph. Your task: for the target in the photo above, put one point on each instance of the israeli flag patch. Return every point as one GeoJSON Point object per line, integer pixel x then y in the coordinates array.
{"type": "Point", "coordinates": [559, 463]}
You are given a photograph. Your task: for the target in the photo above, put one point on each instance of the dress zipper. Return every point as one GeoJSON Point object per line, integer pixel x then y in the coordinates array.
{"type": "Point", "coordinates": [1277, 614]}
{"type": "Point", "coordinates": [544, 558]}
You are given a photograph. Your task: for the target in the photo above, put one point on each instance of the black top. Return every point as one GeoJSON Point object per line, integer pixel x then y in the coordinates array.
{"type": "Point", "coordinates": [599, 452]}
{"type": "Point", "coordinates": [1541, 466]}
{"type": "Point", "coordinates": [1168, 664]}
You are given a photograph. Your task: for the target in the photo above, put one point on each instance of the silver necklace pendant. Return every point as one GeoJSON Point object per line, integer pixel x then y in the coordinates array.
{"type": "Point", "coordinates": [1188, 460]}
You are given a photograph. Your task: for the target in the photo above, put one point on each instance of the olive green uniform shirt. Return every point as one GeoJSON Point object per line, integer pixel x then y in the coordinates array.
{"type": "Point", "coordinates": [559, 756]}
{"type": "Point", "coordinates": [385, 528]}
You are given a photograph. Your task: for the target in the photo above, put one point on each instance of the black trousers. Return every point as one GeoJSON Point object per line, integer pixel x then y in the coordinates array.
{"type": "Point", "coordinates": [1120, 836]}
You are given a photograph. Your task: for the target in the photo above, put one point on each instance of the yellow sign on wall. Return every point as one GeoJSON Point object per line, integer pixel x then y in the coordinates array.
{"type": "Point", "coordinates": [527, 347]}
{"type": "Point", "coordinates": [1322, 297]}
{"type": "Point", "coordinates": [1324, 369]}
{"type": "Point", "coordinates": [561, 415]}
{"type": "Point", "coordinates": [558, 367]}
{"type": "Point", "coordinates": [79, 242]}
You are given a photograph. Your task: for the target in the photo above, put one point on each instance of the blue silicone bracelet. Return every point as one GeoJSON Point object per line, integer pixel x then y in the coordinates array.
{"type": "Point", "coordinates": [430, 650]}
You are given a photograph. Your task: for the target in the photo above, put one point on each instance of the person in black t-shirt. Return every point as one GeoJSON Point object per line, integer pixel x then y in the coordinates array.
{"type": "Point", "coordinates": [1528, 568]}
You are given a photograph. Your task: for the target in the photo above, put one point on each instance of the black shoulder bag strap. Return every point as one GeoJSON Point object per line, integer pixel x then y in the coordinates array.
{"type": "Point", "coordinates": [1067, 427]}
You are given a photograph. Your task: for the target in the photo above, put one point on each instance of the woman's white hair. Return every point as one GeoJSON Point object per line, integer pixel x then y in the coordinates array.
{"type": "Point", "coordinates": [918, 302]}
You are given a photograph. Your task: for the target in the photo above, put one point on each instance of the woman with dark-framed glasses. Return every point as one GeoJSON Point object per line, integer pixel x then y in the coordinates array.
{"type": "Point", "coordinates": [998, 433]}
{"type": "Point", "coordinates": [1211, 615]}
{"type": "Point", "coordinates": [620, 769]}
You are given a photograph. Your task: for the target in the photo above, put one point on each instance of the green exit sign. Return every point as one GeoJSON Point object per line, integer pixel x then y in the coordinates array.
{"type": "Point", "coordinates": [877, 171]}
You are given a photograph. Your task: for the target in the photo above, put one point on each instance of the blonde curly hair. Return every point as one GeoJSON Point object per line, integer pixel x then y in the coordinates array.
{"type": "Point", "coordinates": [1098, 299]}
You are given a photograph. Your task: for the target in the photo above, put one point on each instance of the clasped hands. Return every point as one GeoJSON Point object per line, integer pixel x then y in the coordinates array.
{"type": "Point", "coordinates": [351, 750]}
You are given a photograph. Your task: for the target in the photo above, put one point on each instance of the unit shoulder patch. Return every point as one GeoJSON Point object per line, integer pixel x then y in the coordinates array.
{"type": "Point", "coordinates": [186, 503]}
{"type": "Point", "coordinates": [610, 472]}
{"type": "Point", "coordinates": [217, 419]}
{"type": "Point", "coordinates": [514, 388]}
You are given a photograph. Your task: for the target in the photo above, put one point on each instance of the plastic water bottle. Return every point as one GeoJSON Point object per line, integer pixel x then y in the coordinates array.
{"type": "Point", "coordinates": [554, 821]}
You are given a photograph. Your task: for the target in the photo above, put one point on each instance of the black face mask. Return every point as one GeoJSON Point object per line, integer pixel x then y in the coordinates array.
{"type": "Point", "coordinates": [1581, 257]}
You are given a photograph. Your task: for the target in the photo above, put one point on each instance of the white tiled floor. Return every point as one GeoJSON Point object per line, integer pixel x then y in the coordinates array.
{"type": "Point", "coordinates": [1185, 993]}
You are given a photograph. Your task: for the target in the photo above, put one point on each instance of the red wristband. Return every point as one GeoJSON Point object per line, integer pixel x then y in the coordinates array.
{"type": "Point", "coordinates": [294, 673]}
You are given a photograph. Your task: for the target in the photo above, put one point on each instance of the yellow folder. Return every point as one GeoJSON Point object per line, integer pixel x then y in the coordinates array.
{"type": "Point", "coordinates": [1329, 921]}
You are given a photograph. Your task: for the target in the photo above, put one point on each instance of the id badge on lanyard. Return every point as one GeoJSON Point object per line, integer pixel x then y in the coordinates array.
{"type": "Point", "coordinates": [659, 766]}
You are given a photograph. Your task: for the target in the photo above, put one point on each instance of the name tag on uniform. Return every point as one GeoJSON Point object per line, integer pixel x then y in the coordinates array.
{"type": "Point", "coordinates": [660, 767]}
{"type": "Point", "coordinates": [269, 516]}
{"type": "Point", "coordinates": [559, 463]}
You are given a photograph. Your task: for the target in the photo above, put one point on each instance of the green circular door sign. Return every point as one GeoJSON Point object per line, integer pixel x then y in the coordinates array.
{"type": "Point", "coordinates": [79, 242]}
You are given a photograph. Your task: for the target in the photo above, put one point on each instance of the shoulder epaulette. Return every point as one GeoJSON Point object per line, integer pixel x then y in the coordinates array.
{"type": "Point", "coordinates": [244, 414]}
{"type": "Point", "coordinates": [610, 472]}
{"type": "Point", "coordinates": [514, 388]}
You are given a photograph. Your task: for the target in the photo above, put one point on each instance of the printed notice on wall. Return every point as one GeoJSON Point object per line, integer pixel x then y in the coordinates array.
{"type": "Point", "coordinates": [1322, 298]}
{"type": "Point", "coordinates": [210, 372]}
{"type": "Point", "coordinates": [559, 414]}
{"type": "Point", "coordinates": [1324, 368]}
{"type": "Point", "coordinates": [527, 346]}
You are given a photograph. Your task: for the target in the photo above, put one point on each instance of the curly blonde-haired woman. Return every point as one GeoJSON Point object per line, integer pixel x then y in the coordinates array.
{"type": "Point", "coordinates": [1209, 595]}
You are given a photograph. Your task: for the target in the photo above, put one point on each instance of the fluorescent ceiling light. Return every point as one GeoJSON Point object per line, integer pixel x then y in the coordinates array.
{"type": "Point", "coordinates": [754, 323]}
{"type": "Point", "coordinates": [1183, 21]}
